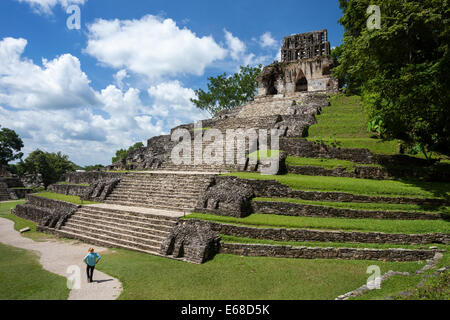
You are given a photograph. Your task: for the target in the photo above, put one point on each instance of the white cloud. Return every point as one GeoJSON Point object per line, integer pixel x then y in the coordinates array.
{"type": "Point", "coordinates": [238, 52]}
{"type": "Point", "coordinates": [120, 76]}
{"type": "Point", "coordinates": [172, 100]}
{"type": "Point", "coordinates": [151, 46]}
{"type": "Point", "coordinates": [54, 108]}
{"type": "Point", "coordinates": [236, 47]}
{"type": "Point", "coordinates": [58, 84]}
{"type": "Point", "coordinates": [267, 41]}
{"type": "Point", "coordinates": [46, 6]}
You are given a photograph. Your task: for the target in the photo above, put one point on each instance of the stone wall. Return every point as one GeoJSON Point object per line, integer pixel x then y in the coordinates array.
{"type": "Point", "coordinates": [69, 189]}
{"type": "Point", "coordinates": [45, 212]}
{"type": "Point", "coordinates": [192, 241]}
{"type": "Point", "coordinates": [274, 189]}
{"type": "Point", "coordinates": [261, 250]}
{"type": "Point", "coordinates": [301, 235]}
{"type": "Point", "coordinates": [297, 209]}
{"type": "Point", "coordinates": [309, 149]}
{"type": "Point", "coordinates": [91, 177]}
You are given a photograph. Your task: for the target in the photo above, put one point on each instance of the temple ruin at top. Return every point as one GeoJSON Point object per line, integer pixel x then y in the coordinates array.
{"type": "Point", "coordinates": [305, 67]}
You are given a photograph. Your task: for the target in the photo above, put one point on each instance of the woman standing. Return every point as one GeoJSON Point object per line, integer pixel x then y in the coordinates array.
{"type": "Point", "coordinates": [91, 261]}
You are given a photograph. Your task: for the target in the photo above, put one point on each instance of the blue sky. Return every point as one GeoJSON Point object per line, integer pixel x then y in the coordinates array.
{"type": "Point", "coordinates": [128, 73]}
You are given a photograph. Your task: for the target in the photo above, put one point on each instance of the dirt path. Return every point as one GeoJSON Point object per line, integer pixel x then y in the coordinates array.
{"type": "Point", "coordinates": [57, 257]}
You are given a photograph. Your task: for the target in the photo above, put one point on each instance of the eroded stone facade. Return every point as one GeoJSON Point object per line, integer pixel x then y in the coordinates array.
{"type": "Point", "coordinates": [305, 67]}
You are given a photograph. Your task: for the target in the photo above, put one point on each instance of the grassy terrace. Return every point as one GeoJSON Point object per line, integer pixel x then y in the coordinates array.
{"type": "Point", "coordinates": [345, 123]}
{"type": "Point", "coordinates": [73, 184]}
{"type": "Point", "coordinates": [388, 188]}
{"type": "Point", "coordinates": [329, 164]}
{"type": "Point", "coordinates": [62, 197]}
{"type": "Point", "coordinates": [362, 225]}
{"type": "Point", "coordinates": [233, 277]}
{"type": "Point", "coordinates": [233, 239]}
{"type": "Point", "coordinates": [363, 206]}
{"type": "Point", "coordinates": [23, 278]}
{"type": "Point", "coordinates": [19, 223]}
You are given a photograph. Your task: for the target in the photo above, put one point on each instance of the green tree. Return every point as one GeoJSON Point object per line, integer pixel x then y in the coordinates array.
{"type": "Point", "coordinates": [123, 153]}
{"type": "Point", "coordinates": [227, 92]}
{"type": "Point", "coordinates": [401, 70]}
{"type": "Point", "coordinates": [94, 167]}
{"type": "Point", "coordinates": [52, 166]}
{"type": "Point", "coordinates": [10, 146]}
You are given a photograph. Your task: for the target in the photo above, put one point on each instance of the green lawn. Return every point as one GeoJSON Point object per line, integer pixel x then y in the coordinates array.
{"type": "Point", "coordinates": [19, 223]}
{"type": "Point", "coordinates": [388, 188]}
{"type": "Point", "coordinates": [362, 225]}
{"type": "Point", "coordinates": [229, 277]}
{"type": "Point", "coordinates": [233, 239]}
{"type": "Point", "coordinates": [363, 205]}
{"type": "Point", "coordinates": [344, 124]}
{"type": "Point", "coordinates": [62, 197]}
{"type": "Point", "coordinates": [23, 278]}
{"type": "Point", "coordinates": [329, 164]}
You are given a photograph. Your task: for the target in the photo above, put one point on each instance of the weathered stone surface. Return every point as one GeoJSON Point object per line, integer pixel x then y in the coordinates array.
{"type": "Point", "coordinates": [192, 241]}
{"type": "Point", "coordinates": [99, 190]}
{"type": "Point", "coordinates": [46, 212]}
{"type": "Point", "coordinates": [228, 197]}
{"type": "Point", "coordinates": [91, 177]}
{"type": "Point", "coordinates": [301, 235]}
{"type": "Point", "coordinates": [274, 189]}
{"type": "Point", "coordinates": [297, 209]}
{"type": "Point", "coordinates": [69, 189]}
{"type": "Point", "coordinates": [263, 250]}
{"type": "Point", "coordinates": [309, 149]}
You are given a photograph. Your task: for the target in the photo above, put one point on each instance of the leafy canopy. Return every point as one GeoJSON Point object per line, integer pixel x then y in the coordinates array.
{"type": "Point", "coordinates": [122, 154]}
{"type": "Point", "coordinates": [10, 145]}
{"type": "Point", "coordinates": [402, 70]}
{"type": "Point", "coordinates": [227, 92]}
{"type": "Point", "coordinates": [52, 166]}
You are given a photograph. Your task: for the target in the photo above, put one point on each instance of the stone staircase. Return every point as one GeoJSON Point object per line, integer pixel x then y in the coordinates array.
{"type": "Point", "coordinates": [177, 191]}
{"type": "Point", "coordinates": [207, 165]}
{"type": "Point", "coordinates": [120, 227]}
{"type": "Point", "coordinates": [4, 193]}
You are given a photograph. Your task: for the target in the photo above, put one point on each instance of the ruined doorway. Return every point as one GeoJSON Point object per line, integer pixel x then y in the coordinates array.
{"type": "Point", "coordinates": [301, 85]}
{"type": "Point", "coordinates": [270, 82]}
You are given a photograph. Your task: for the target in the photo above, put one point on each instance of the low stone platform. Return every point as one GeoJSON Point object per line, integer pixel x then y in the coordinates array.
{"type": "Point", "coordinates": [141, 210]}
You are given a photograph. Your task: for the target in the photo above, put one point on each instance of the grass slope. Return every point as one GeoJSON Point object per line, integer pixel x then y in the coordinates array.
{"type": "Point", "coordinates": [23, 278]}
{"type": "Point", "coordinates": [363, 206]}
{"type": "Point", "coordinates": [62, 197]}
{"type": "Point", "coordinates": [229, 277]}
{"type": "Point", "coordinates": [388, 188]}
{"type": "Point", "coordinates": [344, 123]}
{"type": "Point", "coordinates": [362, 225]}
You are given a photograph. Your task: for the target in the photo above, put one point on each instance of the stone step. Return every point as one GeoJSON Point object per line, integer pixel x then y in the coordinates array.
{"type": "Point", "coordinates": [155, 188]}
{"type": "Point", "coordinates": [169, 195]}
{"type": "Point", "coordinates": [129, 214]}
{"type": "Point", "coordinates": [90, 223]}
{"type": "Point", "coordinates": [144, 223]}
{"type": "Point", "coordinates": [149, 199]}
{"type": "Point", "coordinates": [112, 236]}
{"type": "Point", "coordinates": [108, 242]}
{"type": "Point", "coordinates": [182, 205]}
{"type": "Point", "coordinates": [151, 206]}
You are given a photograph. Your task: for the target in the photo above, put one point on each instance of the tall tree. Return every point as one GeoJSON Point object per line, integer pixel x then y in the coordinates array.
{"type": "Point", "coordinates": [227, 92]}
{"type": "Point", "coordinates": [10, 146]}
{"type": "Point", "coordinates": [402, 70]}
{"type": "Point", "coordinates": [52, 166]}
{"type": "Point", "coordinates": [123, 153]}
